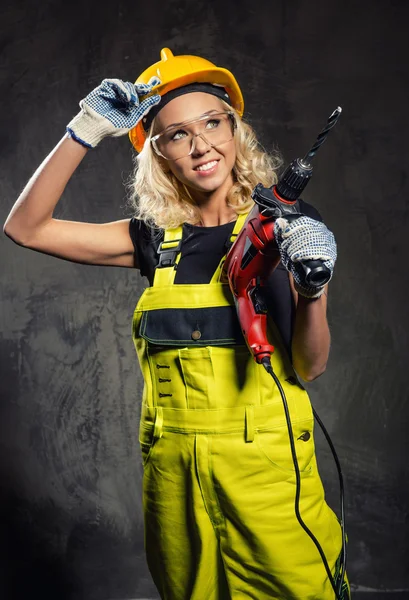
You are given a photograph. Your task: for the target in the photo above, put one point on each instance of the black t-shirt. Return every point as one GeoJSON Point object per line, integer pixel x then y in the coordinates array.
{"type": "Point", "coordinates": [201, 251]}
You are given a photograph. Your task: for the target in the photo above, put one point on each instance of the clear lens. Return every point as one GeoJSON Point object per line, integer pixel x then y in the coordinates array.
{"type": "Point", "coordinates": [177, 142]}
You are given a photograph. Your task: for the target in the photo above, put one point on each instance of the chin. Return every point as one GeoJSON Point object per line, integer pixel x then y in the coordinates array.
{"type": "Point", "coordinates": [207, 186]}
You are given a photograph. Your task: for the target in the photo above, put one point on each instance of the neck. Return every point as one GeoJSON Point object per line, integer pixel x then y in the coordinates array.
{"type": "Point", "coordinates": [210, 216]}
{"type": "Point", "coordinates": [213, 207]}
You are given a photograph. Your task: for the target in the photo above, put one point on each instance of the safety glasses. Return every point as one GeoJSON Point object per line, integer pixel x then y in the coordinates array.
{"type": "Point", "coordinates": [179, 141]}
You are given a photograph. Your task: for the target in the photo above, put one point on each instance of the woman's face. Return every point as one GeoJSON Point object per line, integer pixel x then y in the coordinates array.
{"type": "Point", "coordinates": [194, 170]}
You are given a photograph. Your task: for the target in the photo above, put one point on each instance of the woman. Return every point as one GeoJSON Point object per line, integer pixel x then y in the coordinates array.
{"type": "Point", "coordinates": [219, 479]}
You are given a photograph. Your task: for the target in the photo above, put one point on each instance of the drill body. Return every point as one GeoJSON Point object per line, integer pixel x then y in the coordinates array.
{"type": "Point", "coordinates": [251, 260]}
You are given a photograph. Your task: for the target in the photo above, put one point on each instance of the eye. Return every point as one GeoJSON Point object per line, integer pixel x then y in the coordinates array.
{"type": "Point", "coordinates": [177, 135]}
{"type": "Point", "coordinates": [212, 123]}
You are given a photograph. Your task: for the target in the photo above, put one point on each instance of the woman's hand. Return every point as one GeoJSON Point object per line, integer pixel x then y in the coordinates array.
{"type": "Point", "coordinates": [305, 239]}
{"type": "Point", "coordinates": [111, 109]}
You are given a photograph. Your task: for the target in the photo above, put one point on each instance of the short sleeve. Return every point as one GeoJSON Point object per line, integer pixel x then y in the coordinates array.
{"type": "Point", "coordinates": [135, 233]}
{"type": "Point", "coordinates": [145, 240]}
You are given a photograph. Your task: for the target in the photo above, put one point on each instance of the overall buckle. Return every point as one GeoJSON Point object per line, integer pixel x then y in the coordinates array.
{"type": "Point", "coordinates": [167, 256]}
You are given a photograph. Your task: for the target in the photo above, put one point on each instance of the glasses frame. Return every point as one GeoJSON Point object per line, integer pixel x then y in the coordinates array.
{"type": "Point", "coordinates": [203, 117]}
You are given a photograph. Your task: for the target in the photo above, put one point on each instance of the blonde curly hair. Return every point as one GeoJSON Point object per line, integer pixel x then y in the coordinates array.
{"type": "Point", "coordinates": [161, 200]}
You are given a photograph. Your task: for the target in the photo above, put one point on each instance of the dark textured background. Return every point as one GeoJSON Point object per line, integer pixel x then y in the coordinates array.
{"type": "Point", "coordinates": [70, 472]}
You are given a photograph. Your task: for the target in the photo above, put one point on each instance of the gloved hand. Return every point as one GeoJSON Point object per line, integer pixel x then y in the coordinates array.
{"type": "Point", "coordinates": [111, 109]}
{"type": "Point", "coordinates": [305, 239]}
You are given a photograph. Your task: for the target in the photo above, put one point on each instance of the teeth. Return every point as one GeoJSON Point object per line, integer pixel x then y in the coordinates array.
{"type": "Point", "coordinates": [207, 166]}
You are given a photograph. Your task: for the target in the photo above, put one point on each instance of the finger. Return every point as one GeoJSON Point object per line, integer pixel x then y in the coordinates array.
{"type": "Point", "coordinates": [153, 81]}
{"type": "Point", "coordinates": [298, 257]}
{"type": "Point", "coordinates": [133, 94]}
{"type": "Point", "coordinates": [143, 108]}
{"type": "Point", "coordinates": [151, 101]}
{"type": "Point", "coordinates": [115, 88]}
{"type": "Point", "coordinates": [281, 224]}
{"type": "Point", "coordinates": [145, 88]}
{"type": "Point", "coordinates": [112, 83]}
{"type": "Point", "coordinates": [148, 103]}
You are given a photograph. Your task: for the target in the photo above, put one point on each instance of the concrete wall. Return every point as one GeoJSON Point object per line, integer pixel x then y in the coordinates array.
{"type": "Point", "coordinates": [70, 471]}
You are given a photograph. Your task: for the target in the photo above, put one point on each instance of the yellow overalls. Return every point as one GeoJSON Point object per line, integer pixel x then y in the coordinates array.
{"type": "Point", "coordinates": [219, 482]}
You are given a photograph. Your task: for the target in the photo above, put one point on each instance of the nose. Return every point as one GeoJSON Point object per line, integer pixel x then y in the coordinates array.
{"type": "Point", "coordinates": [201, 145]}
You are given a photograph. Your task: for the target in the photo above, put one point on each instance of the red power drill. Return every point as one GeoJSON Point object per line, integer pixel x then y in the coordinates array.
{"type": "Point", "coordinates": [254, 254]}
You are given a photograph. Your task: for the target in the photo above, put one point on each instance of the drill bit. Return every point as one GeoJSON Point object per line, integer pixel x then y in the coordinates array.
{"type": "Point", "coordinates": [322, 136]}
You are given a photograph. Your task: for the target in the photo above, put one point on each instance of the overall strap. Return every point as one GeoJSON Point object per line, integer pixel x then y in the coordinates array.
{"type": "Point", "coordinates": [169, 256]}
{"type": "Point", "coordinates": [217, 275]}
{"type": "Point", "coordinates": [170, 251]}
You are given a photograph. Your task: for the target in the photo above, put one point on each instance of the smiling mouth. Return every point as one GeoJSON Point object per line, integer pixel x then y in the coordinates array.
{"type": "Point", "coordinates": [206, 167]}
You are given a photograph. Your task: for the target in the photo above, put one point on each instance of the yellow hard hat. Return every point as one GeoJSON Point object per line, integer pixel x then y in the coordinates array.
{"type": "Point", "coordinates": [178, 71]}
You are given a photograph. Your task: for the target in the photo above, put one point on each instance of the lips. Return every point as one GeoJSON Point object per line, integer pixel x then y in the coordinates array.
{"type": "Point", "coordinates": [206, 168]}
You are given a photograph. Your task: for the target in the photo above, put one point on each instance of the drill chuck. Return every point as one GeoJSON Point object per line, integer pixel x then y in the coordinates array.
{"type": "Point", "coordinates": [299, 172]}
{"type": "Point", "coordinates": [294, 179]}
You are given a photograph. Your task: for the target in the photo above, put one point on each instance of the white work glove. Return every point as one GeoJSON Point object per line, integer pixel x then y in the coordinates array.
{"type": "Point", "coordinates": [111, 109]}
{"type": "Point", "coordinates": [304, 239]}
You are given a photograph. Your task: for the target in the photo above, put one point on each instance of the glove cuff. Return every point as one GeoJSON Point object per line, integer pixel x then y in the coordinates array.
{"type": "Point", "coordinates": [88, 127]}
{"type": "Point", "coordinates": [311, 292]}
{"type": "Point", "coordinates": [85, 129]}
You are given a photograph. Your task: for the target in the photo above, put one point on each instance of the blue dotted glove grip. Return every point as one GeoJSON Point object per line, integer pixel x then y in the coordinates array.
{"type": "Point", "coordinates": [305, 239]}
{"type": "Point", "coordinates": [111, 109]}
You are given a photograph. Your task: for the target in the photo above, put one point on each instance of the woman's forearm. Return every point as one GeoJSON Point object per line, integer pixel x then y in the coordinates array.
{"type": "Point", "coordinates": [311, 338]}
{"type": "Point", "coordinates": [37, 201]}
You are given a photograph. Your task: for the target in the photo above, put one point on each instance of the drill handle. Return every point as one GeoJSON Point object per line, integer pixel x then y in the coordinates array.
{"type": "Point", "coordinates": [271, 206]}
{"type": "Point", "coordinates": [315, 271]}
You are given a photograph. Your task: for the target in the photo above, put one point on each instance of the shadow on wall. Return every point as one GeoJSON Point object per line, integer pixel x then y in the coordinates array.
{"type": "Point", "coordinates": [46, 553]}
{"type": "Point", "coordinates": [31, 565]}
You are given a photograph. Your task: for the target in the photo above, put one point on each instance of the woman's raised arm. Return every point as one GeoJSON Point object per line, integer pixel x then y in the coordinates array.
{"type": "Point", "coordinates": [111, 109]}
{"type": "Point", "coordinates": [31, 223]}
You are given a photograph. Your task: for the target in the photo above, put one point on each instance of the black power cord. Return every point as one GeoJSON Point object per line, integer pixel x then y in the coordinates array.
{"type": "Point", "coordinates": [266, 362]}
